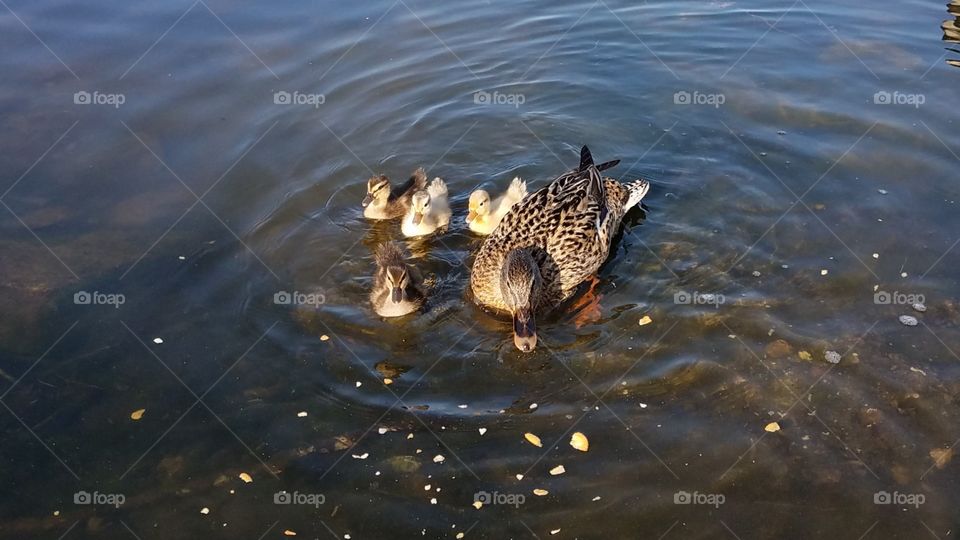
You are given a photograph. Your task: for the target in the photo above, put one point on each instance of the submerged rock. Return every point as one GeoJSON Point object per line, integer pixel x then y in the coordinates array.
{"type": "Point", "coordinates": [908, 320]}
{"type": "Point", "coordinates": [778, 349]}
{"type": "Point", "coordinates": [391, 370]}
{"type": "Point", "coordinates": [404, 464]}
{"type": "Point", "coordinates": [832, 356]}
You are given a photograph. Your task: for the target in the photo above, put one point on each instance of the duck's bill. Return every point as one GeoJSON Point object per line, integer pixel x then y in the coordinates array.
{"type": "Point", "coordinates": [396, 294]}
{"type": "Point", "coordinates": [471, 215]}
{"type": "Point", "coordinates": [524, 331]}
{"type": "Point", "coordinates": [367, 200]}
{"type": "Point", "coordinates": [417, 218]}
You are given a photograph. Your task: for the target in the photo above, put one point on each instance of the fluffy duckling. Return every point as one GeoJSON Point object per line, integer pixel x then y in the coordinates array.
{"type": "Point", "coordinates": [485, 214]}
{"type": "Point", "coordinates": [397, 286]}
{"type": "Point", "coordinates": [429, 210]}
{"type": "Point", "coordinates": [382, 202]}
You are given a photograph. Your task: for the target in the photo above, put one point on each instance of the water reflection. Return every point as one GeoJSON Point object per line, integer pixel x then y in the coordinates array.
{"type": "Point", "coordinates": [951, 30]}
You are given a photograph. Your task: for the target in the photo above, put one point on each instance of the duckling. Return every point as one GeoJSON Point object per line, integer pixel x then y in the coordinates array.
{"type": "Point", "coordinates": [383, 203]}
{"type": "Point", "coordinates": [485, 215]}
{"type": "Point", "coordinates": [429, 210]}
{"type": "Point", "coordinates": [397, 286]}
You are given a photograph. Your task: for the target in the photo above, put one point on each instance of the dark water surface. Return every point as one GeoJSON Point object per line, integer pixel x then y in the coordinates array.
{"type": "Point", "coordinates": [804, 161]}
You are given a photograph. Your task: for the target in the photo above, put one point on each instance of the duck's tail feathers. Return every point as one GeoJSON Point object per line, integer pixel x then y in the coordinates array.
{"type": "Point", "coordinates": [417, 181]}
{"type": "Point", "coordinates": [637, 188]}
{"type": "Point", "coordinates": [419, 178]}
{"type": "Point", "coordinates": [390, 254]}
{"type": "Point", "coordinates": [586, 158]}
{"type": "Point", "coordinates": [437, 188]}
{"type": "Point", "coordinates": [517, 189]}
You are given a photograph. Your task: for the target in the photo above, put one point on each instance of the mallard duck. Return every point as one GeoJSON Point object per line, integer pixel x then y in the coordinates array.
{"type": "Point", "coordinates": [429, 210]}
{"type": "Point", "coordinates": [397, 286]}
{"type": "Point", "coordinates": [485, 214]}
{"type": "Point", "coordinates": [382, 202]}
{"type": "Point", "coordinates": [549, 243]}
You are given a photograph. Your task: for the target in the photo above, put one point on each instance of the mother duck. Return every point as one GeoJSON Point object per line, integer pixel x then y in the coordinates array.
{"type": "Point", "coordinates": [551, 242]}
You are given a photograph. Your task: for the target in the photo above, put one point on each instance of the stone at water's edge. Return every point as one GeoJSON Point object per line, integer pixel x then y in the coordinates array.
{"type": "Point", "coordinates": [908, 320]}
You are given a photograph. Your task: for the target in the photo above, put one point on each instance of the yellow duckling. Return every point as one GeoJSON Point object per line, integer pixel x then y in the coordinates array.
{"type": "Point", "coordinates": [397, 286]}
{"type": "Point", "coordinates": [485, 214]}
{"type": "Point", "coordinates": [429, 210]}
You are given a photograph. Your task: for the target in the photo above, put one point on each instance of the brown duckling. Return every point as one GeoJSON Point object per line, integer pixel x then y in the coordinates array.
{"type": "Point", "coordinates": [397, 286]}
{"type": "Point", "coordinates": [382, 202]}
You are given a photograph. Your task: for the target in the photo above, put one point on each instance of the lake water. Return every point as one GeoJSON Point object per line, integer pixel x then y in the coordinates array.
{"type": "Point", "coordinates": [172, 173]}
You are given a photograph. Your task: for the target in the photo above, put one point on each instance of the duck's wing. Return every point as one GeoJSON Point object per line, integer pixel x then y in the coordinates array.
{"type": "Point", "coordinates": [608, 165]}
{"type": "Point", "coordinates": [582, 190]}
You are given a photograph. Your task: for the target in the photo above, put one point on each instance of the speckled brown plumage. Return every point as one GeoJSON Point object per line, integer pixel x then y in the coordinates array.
{"type": "Point", "coordinates": [567, 226]}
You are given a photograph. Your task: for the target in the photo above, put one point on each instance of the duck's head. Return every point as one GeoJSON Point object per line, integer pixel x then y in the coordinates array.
{"type": "Point", "coordinates": [378, 189]}
{"type": "Point", "coordinates": [479, 205]}
{"type": "Point", "coordinates": [397, 279]}
{"type": "Point", "coordinates": [520, 285]}
{"type": "Point", "coordinates": [419, 205]}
